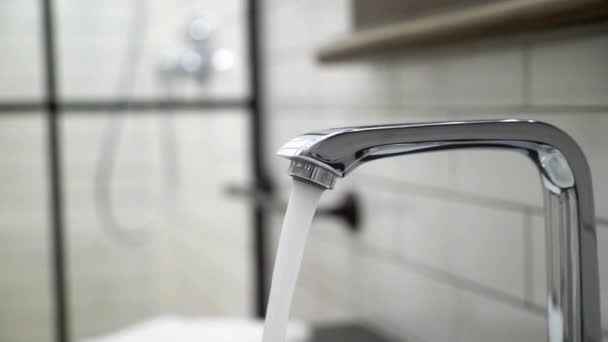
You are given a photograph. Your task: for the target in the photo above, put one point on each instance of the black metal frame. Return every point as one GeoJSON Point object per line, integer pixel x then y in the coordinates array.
{"type": "Point", "coordinates": [58, 257]}
{"type": "Point", "coordinates": [262, 181]}
{"type": "Point", "coordinates": [120, 105]}
{"type": "Point", "coordinates": [54, 107]}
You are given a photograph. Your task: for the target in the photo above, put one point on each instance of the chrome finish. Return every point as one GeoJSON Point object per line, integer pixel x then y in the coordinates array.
{"type": "Point", "coordinates": [201, 57]}
{"type": "Point", "coordinates": [312, 173]}
{"type": "Point", "coordinates": [573, 299]}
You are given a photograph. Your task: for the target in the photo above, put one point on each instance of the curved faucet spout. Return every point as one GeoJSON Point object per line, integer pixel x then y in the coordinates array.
{"type": "Point", "coordinates": [573, 305]}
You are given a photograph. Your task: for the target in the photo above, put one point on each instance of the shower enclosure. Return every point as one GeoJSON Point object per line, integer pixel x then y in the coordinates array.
{"type": "Point", "coordinates": [112, 205]}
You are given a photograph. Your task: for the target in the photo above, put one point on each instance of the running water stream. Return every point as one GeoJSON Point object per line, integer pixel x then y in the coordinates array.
{"type": "Point", "coordinates": [303, 202]}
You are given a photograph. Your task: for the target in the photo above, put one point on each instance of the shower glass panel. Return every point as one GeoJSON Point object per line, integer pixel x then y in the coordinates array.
{"type": "Point", "coordinates": [150, 232]}
{"type": "Point", "coordinates": [20, 47]}
{"type": "Point", "coordinates": [189, 257]}
{"type": "Point", "coordinates": [25, 290]}
{"type": "Point", "coordinates": [122, 49]}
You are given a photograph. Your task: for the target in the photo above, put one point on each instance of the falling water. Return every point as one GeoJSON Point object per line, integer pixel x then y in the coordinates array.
{"type": "Point", "coordinates": [300, 211]}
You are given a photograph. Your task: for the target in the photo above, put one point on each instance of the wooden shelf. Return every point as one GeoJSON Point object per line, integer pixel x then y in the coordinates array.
{"type": "Point", "coordinates": [476, 22]}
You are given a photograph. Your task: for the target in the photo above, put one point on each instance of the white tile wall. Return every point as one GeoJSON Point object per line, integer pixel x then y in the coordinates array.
{"type": "Point", "coordinates": [570, 72]}
{"type": "Point", "coordinates": [452, 246]}
{"type": "Point", "coordinates": [331, 20]}
{"type": "Point", "coordinates": [539, 279]}
{"type": "Point", "coordinates": [20, 60]}
{"type": "Point", "coordinates": [301, 80]}
{"type": "Point", "coordinates": [480, 319]}
{"type": "Point", "coordinates": [328, 269]}
{"type": "Point", "coordinates": [459, 78]}
{"type": "Point", "coordinates": [482, 172]}
{"type": "Point", "coordinates": [197, 261]}
{"type": "Point", "coordinates": [309, 307]}
{"type": "Point", "coordinates": [25, 288]}
{"type": "Point", "coordinates": [386, 297]}
{"type": "Point", "coordinates": [387, 214]}
{"type": "Point", "coordinates": [453, 237]}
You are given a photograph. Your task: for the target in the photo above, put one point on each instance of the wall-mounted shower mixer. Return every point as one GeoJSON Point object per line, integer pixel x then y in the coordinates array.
{"type": "Point", "coordinates": [201, 57]}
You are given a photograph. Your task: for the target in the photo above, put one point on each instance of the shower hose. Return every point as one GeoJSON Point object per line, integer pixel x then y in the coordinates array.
{"type": "Point", "coordinates": [112, 225]}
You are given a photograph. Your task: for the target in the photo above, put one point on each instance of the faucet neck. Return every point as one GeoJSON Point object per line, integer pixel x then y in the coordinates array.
{"type": "Point", "coordinates": [573, 304]}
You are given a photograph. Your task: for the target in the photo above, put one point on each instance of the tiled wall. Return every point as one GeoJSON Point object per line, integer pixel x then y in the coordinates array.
{"type": "Point", "coordinates": [197, 261]}
{"type": "Point", "coordinates": [452, 244]}
{"type": "Point", "coordinates": [25, 289]}
{"type": "Point", "coordinates": [24, 253]}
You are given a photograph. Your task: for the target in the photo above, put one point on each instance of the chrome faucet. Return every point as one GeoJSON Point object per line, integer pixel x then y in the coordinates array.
{"type": "Point", "coordinates": [573, 299]}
